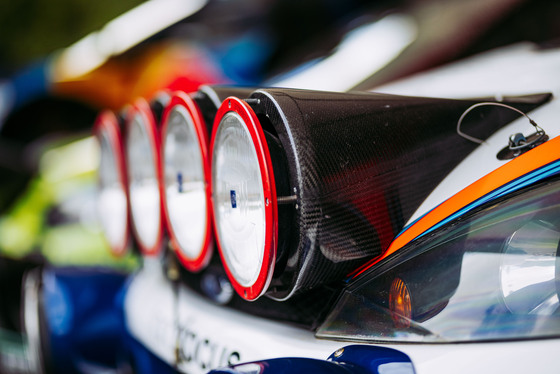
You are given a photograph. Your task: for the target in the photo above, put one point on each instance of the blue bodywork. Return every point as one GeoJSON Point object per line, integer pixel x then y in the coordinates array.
{"type": "Point", "coordinates": [85, 327]}
{"type": "Point", "coordinates": [353, 359]}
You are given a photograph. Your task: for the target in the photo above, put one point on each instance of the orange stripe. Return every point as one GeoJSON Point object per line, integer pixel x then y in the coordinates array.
{"type": "Point", "coordinates": [535, 158]}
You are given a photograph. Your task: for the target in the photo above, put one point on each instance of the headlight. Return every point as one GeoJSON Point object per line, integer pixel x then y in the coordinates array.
{"type": "Point", "coordinates": [186, 127]}
{"type": "Point", "coordinates": [186, 181]}
{"type": "Point", "coordinates": [492, 273]}
{"type": "Point", "coordinates": [142, 157]}
{"type": "Point", "coordinates": [321, 182]}
{"type": "Point", "coordinates": [529, 269]}
{"type": "Point", "coordinates": [112, 197]}
{"type": "Point", "coordinates": [244, 198]}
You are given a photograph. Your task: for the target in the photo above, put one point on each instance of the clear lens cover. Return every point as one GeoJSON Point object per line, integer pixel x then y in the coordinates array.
{"type": "Point", "coordinates": [492, 275]}
{"type": "Point", "coordinates": [186, 200]}
{"type": "Point", "coordinates": [243, 200]}
{"type": "Point", "coordinates": [145, 204]}
{"type": "Point", "coordinates": [239, 200]}
{"type": "Point", "coordinates": [112, 198]}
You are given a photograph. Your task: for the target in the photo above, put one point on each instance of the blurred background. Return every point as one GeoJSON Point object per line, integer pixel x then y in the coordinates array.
{"type": "Point", "coordinates": [62, 61]}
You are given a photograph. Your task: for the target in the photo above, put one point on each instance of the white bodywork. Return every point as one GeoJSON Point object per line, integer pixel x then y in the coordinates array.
{"type": "Point", "coordinates": [207, 336]}
{"type": "Point", "coordinates": [516, 70]}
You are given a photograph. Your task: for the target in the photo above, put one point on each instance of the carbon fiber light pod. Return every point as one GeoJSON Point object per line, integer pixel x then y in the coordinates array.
{"type": "Point", "coordinates": [185, 134]}
{"type": "Point", "coordinates": [343, 172]}
{"type": "Point", "coordinates": [113, 194]}
{"type": "Point", "coordinates": [142, 143]}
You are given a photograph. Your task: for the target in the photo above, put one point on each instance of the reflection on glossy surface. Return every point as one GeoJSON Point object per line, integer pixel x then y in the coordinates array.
{"type": "Point", "coordinates": [528, 270]}
{"type": "Point", "coordinates": [238, 199]}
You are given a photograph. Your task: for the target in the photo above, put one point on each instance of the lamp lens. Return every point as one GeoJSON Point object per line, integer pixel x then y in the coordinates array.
{"type": "Point", "coordinates": [112, 196]}
{"type": "Point", "coordinates": [144, 191]}
{"type": "Point", "coordinates": [185, 183]}
{"type": "Point", "coordinates": [239, 201]}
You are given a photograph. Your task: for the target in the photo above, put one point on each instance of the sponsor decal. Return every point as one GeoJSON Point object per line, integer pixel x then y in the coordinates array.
{"type": "Point", "coordinates": [202, 352]}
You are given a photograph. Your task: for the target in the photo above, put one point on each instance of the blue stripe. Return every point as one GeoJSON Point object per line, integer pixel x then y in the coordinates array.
{"type": "Point", "coordinates": [515, 185]}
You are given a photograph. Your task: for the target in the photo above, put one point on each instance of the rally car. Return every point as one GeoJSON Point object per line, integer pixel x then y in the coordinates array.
{"type": "Point", "coordinates": [327, 232]}
{"type": "Point", "coordinates": [410, 228]}
{"type": "Point", "coordinates": [475, 261]}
